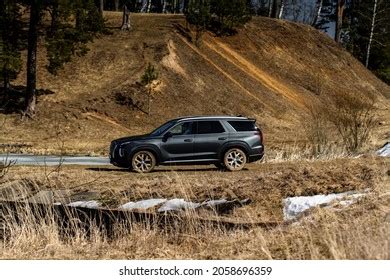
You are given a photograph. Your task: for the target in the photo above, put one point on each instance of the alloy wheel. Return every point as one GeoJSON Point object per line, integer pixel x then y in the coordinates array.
{"type": "Point", "coordinates": [143, 162]}
{"type": "Point", "coordinates": [235, 159]}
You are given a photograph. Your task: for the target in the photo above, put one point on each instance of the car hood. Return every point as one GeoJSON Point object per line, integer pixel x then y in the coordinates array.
{"type": "Point", "coordinates": [130, 138]}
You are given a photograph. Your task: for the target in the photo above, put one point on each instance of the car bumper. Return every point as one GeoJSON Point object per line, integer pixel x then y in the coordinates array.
{"type": "Point", "coordinates": [256, 154]}
{"type": "Point", "coordinates": [116, 158]}
{"type": "Point", "coordinates": [253, 158]}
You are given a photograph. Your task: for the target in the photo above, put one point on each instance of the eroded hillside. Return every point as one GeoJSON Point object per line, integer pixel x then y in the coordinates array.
{"type": "Point", "coordinates": [271, 70]}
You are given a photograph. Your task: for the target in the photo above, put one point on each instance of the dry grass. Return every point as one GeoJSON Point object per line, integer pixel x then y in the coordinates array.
{"type": "Point", "coordinates": [360, 231]}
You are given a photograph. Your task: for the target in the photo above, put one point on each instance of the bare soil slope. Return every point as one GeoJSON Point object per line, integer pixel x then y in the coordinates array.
{"type": "Point", "coordinates": [270, 70]}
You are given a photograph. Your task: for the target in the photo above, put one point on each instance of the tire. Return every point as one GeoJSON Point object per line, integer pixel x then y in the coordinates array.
{"type": "Point", "coordinates": [143, 162]}
{"type": "Point", "coordinates": [234, 159]}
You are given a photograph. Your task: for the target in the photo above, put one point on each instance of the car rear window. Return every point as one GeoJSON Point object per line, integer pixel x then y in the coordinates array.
{"type": "Point", "coordinates": [243, 125]}
{"type": "Point", "coordinates": [206, 127]}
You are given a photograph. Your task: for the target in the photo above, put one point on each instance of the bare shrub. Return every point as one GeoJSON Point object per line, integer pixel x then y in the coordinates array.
{"type": "Point", "coordinates": [5, 166]}
{"type": "Point", "coordinates": [317, 131]}
{"type": "Point", "coordinates": [354, 118]}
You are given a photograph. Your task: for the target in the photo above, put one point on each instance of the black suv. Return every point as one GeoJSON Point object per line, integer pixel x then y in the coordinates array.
{"type": "Point", "coordinates": [227, 142]}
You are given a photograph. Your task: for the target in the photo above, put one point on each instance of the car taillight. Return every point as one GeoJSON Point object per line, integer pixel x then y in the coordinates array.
{"type": "Point", "coordinates": [260, 133]}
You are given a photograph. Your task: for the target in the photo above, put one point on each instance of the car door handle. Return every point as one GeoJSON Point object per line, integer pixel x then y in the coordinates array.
{"type": "Point", "coordinates": [222, 138]}
{"type": "Point", "coordinates": [187, 140]}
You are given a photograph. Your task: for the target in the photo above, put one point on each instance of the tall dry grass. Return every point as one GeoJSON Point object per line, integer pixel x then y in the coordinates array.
{"type": "Point", "coordinates": [359, 232]}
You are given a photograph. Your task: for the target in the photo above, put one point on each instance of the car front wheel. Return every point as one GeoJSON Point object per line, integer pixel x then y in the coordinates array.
{"type": "Point", "coordinates": [143, 162]}
{"type": "Point", "coordinates": [234, 159]}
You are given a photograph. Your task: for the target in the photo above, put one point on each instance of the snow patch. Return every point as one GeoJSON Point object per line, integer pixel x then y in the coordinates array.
{"type": "Point", "coordinates": [294, 206]}
{"type": "Point", "coordinates": [177, 204]}
{"type": "Point", "coordinates": [384, 151]}
{"type": "Point", "coordinates": [93, 204]}
{"type": "Point", "coordinates": [143, 204]}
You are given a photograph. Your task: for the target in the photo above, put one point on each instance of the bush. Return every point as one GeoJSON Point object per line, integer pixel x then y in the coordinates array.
{"type": "Point", "coordinates": [351, 116]}
{"type": "Point", "coordinates": [317, 131]}
{"type": "Point", "coordinates": [354, 118]}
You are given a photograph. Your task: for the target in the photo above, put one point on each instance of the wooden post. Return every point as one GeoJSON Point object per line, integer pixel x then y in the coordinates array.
{"type": "Point", "coordinates": [125, 19]}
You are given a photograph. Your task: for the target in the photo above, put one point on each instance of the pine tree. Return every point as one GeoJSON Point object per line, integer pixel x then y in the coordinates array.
{"type": "Point", "coordinates": [64, 38]}
{"type": "Point", "coordinates": [229, 14]}
{"type": "Point", "coordinates": [147, 79]}
{"type": "Point", "coordinates": [10, 29]}
{"type": "Point", "coordinates": [198, 14]}
{"type": "Point", "coordinates": [367, 34]}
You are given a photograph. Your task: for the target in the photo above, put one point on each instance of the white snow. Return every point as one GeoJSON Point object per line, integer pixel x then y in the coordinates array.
{"type": "Point", "coordinates": [143, 204]}
{"type": "Point", "coordinates": [86, 204]}
{"type": "Point", "coordinates": [384, 151]}
{"type": "Point", "coordinates": [177, 204]}
{"type": "Point", "coordinates": [293, 206]}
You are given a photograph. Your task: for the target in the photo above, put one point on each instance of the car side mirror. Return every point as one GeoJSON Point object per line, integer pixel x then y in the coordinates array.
{"type": "Point", "coordinates": [167, 135]}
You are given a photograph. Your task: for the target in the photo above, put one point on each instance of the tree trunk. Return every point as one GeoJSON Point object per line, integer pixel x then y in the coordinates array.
{"type": "Point", "coordinates": [185, 6]}
{"type": "Point", "coordinates": [270, 5]}
{"type": "Point", "coordinates": [30, 100]}
{"type": "Point", "coordinates": [339, 20]}
{"type": "Point", "coordinates": [164, 9]}
{"type": "Point", "coordinates": [5, 83]}
{"type": "Point", "coordinates": [318, 13]}
{"type": "Point", "coordinates": [282, 3]}
{"type": "Point", "coordinates": [373, 22]}
{"type": "Point", "coordinates": [125, 19]}
{"type": "Point", "coordinates": [149, 6]}
{"type": "Point", "coordinates": [174, 6]}
{"type": "Point", "coordinates": [274, 12]}
{"type": "Point", "coordinates": [101, 7]}
{"type": "Point", "coordinates": [54, 18]}
{"type": "Point", "coordinates": [116, 5]}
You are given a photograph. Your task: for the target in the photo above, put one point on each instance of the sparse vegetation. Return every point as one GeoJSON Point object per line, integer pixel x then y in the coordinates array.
{"type": "Point", "coordinates": [354, 118]}
{"type": "Point", "coordinates": [147, 79]}
{"type": "Point", "coordinates": [348, 119]}
{"type": "Point", "coordinates": [317, 130]}
{"type": "Point", "coordinates": [359, 231]}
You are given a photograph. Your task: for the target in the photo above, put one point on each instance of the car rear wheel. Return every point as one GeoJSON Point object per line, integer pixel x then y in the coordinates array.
{"type": "Point", "coordinates": [143, 162]}
{"type": "Point", "coordinates": [234, 159]}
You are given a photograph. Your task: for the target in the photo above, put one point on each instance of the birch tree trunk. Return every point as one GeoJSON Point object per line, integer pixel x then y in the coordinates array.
{"type": "Point", "coordinates": [270, 5]}
{"type": "Point", "coordinates": [373, 23]}
{"type": "Point", "coordinates": [318, 13]}
{"type": "Point", "coordinates": [164, 9]}
{"type": "Point", "coordinates": [174, 6]}
{"type": "Point", "coordinates": [282, 3]}
{"type": "Point", "coordinates": [149, 5]}
{"type": "Point", "coordinates": [339, 20]}
{"type": "Point", "coordinates": [116, 5]}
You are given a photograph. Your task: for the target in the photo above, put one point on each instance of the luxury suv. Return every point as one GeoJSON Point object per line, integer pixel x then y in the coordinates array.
{"type": "Point", "coordinates": [227, 142]}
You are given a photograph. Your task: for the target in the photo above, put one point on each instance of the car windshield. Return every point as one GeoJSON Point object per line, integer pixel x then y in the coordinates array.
{"type": "Point", "coordinates": [160, 130]}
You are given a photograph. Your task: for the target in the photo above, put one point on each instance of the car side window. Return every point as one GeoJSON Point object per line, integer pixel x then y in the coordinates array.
{"type": "Point", "coordinates": [207, 127]}
{"type": "Point", "coordinates": [182, 129]}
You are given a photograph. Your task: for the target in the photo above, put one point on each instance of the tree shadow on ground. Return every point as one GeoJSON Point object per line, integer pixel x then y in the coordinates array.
{"type": "Point", "coordinates": [13, 101]}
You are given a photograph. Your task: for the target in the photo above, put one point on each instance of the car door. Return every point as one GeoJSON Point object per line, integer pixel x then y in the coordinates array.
{"type": "Point", "coordinates": [210, 135]}
{"type": "Point", "coordinates": [179, 145]}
